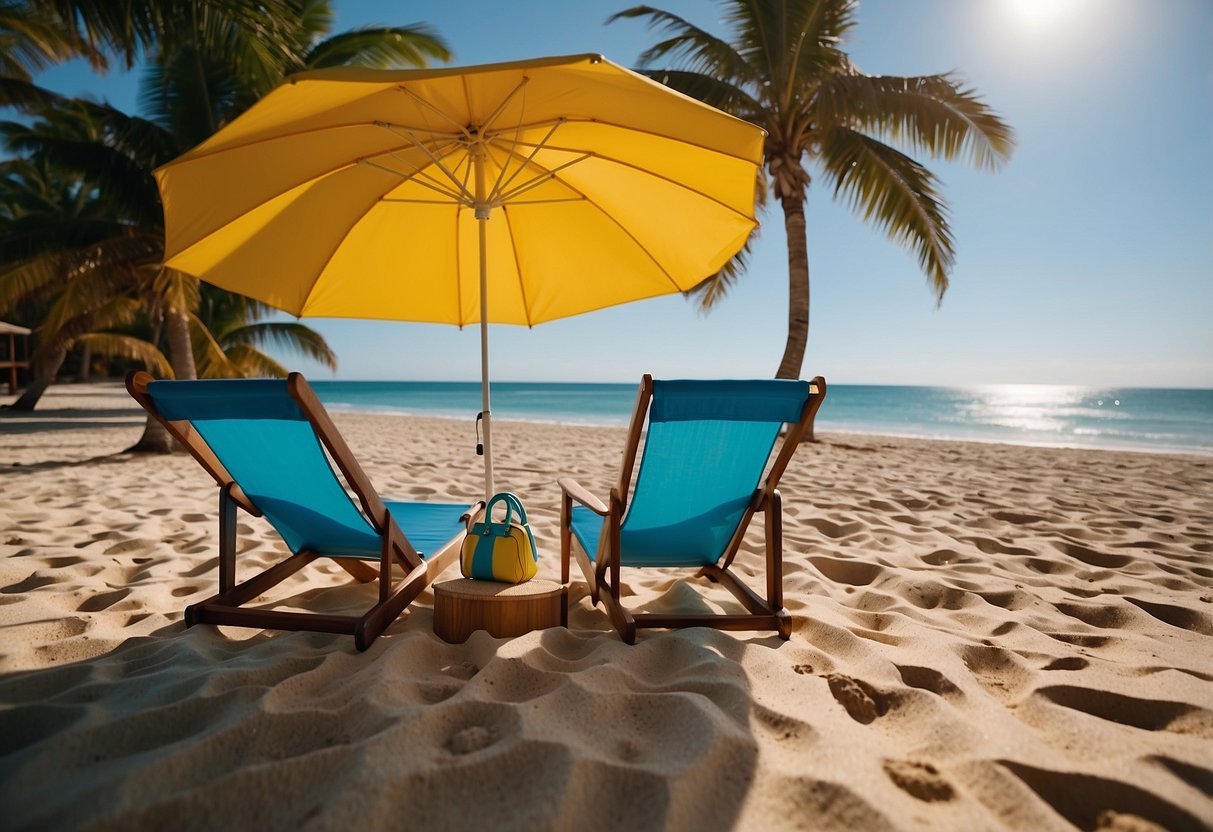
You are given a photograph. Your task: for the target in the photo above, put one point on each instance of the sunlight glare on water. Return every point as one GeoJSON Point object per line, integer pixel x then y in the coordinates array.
{"type": "Point", "coordinates": [1040, 408]}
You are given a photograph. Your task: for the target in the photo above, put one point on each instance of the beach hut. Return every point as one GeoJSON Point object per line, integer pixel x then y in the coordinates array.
{"type": "Point", "coordinates": [14, 351]}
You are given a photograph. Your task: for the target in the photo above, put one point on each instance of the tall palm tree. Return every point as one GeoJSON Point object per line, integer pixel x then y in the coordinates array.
{"type": "Point", "coordinates": [783, 68]}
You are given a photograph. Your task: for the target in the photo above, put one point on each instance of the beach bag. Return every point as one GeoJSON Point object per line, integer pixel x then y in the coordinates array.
{"type": "Point", "coordinates": [500, 551]}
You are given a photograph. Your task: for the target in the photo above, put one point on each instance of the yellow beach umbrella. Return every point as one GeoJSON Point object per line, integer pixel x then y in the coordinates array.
{"type": "Point", "coordinates": [507, 193]}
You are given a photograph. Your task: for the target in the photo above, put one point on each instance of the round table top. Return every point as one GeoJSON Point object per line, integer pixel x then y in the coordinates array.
{"type": "Point", "coordinates": [495, 589]}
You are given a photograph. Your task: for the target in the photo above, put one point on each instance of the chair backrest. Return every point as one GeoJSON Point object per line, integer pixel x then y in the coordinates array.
{"type": "Point", "coordinates": [271, 450]}
{"type": "Point", "coordinates": [707, 447]}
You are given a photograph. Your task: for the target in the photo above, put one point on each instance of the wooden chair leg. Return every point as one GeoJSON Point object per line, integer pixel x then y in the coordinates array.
{"type": "Point", "coordinates": [620, 617]}
{"type": "Point", "coordinates": [359, 569]}
{"type": "Point", "coordinates": [774, 535]}
{"type": "Point", "coordinates": [566, 537]}
{"type": "Point", "coordinates": [227, 539]}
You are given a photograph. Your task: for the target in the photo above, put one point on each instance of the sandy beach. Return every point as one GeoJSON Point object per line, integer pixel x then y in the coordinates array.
{"type": "Point", "coordinates": [985, 637]}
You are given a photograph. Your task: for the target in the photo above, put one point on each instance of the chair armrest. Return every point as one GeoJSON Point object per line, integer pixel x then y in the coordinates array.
{"type": "Point", "coordinates": [468, 516]}
{"type": "Point", "coordinates": [575, 490]}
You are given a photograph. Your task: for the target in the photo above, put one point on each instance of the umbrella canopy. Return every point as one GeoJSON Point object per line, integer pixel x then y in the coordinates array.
{"type": "Point", "coordinates": [508, 193]}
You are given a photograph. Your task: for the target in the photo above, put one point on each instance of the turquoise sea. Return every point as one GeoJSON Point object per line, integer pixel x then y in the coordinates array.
{"type": "Point", "coordinates": [1168, 421]}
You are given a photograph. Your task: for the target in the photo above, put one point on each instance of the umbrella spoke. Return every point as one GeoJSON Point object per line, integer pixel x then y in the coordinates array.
{"type": "Point", "coordinates": [463, 131]}
{"type": "Point", "coordinates": [463, 194]}
{"type": "Point", "coordinates": [421, 179]}
{"type": "Point", "coordinates": [498, 187]}
{"type": "Point", "coordinates": [509, 196]}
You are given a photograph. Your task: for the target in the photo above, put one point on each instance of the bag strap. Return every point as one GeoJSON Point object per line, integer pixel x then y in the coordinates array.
{"type": "Point", "coordinates": [512, 506]}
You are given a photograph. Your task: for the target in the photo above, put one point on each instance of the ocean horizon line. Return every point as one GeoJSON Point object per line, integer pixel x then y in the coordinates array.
{"type": "Point", "coordinates": [1163, 420]}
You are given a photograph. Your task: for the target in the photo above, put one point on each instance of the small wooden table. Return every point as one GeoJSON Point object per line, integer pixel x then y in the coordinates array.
{"type": "Point", "coordinates": [505, 610]}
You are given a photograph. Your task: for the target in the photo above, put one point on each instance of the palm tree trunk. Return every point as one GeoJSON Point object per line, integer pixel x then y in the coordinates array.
{"type": "Point", "coordinates": [181, 350]}
{"type": "Point", "coordinates": [86, 359]}
{"type": "Point", "coordinates": [798, 292]}
{"type": "Point", "coordinates": [155, 439]}
{"type": "Point", "coordinates": [44, 376]}
{"type": "Point", "coordinates": [798, 287]}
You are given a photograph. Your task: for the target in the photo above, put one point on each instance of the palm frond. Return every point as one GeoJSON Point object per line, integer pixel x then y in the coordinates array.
{"type": "Point", "coordinates": [189, 94]}
{"type": "Point", "coordinates": [931, 114]}
{"type": "Point", "coordinates": [414, 45]}
{"type": "Point", "coordinates": [722, 95]}
{"type": "Point", "coordinates": [209, 357]}
{"type": "Point", "coordinates": [33, 38]}
{"type": "Point", "coordinates": [715, 288]}
{"type": "Point", "coordinates": [291, 336]}
{"type": "Point", "coordinates": [23, 94]}
{"type": "Point", "coordinates": [178, 290]}
{"type": "Point", "coordinates": [896, 194]}
{"type": "Point", "coordinates": [689, 47]}
{"type": "Point", "coordinates": [254, 363]}
{"type": "Point", "coordinates": [129, 348]}
{"type": "Point", "coordinates": [31, 279]}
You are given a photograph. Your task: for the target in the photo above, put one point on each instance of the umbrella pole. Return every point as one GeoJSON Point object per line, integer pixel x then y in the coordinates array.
{"type": "Point", "coordinates": [484, 364]}
{"type": "Point", "coordinates": [482, 219]}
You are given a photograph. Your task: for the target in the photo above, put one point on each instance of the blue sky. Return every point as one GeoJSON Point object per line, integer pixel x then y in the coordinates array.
{"type": "Point", "coordinates": [1087, 260]}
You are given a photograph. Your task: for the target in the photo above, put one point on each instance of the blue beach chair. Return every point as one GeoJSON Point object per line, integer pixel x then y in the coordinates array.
{"type": "Point", "coordinates": [264, 442]}
{"type": "Point", "coordinates": [703, 474]}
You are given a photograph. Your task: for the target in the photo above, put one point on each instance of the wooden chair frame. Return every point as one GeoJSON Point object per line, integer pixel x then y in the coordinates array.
{"type": "Point", "coordinates": [226, 607]}
{"type": "Point", "coordinates": [764, 614]}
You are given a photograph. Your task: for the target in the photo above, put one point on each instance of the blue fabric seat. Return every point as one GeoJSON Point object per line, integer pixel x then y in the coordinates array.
{"type": "Point", "coordinates": [273, 450]}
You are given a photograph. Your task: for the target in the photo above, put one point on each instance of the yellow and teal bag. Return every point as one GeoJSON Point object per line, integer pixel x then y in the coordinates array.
{"type": "Point", "coordinates": [500, 551]}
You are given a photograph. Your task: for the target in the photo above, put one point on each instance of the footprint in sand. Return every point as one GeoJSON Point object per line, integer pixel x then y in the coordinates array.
{"type": "Point", "coordinates": [1146, 714]}
{"type": "Point", "coordinates": [1091, 802]}
{"type": "Point", "coordinates": [920, 780]}
{"type": "Point", "coordinates": [863, 702]}
{"type": "Point", "coordinates": [435, 692]}
{"type": "Point", "coordinates": [470, 739]}
{"type": "Point", "coordinates": [103, 601]}
{"type": "Point", "coordinates": [929, 679]}
{"type": "Point", "coordinates": [855, 573]}
{"type": "Point", "coordinates": [1067, 663]}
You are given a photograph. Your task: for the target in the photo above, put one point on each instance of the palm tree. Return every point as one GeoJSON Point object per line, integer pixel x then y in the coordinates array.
{"type": "Point", "coordinates": [209, 61]}
{"type": "Point", "coordinates": [784, 69]}
{"type": "Point", "coordinates": [65, 264]}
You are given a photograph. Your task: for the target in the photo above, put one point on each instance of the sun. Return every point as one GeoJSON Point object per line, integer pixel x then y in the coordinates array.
{"type": "Point", "coordinates": [1040, 14]}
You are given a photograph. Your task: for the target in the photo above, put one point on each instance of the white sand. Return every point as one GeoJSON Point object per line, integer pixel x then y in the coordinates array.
{"type": "Point", "coordinates": [985, 637]}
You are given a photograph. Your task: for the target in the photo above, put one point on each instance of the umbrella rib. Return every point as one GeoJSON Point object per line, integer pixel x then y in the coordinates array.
{"type": "Point", "coordinates": [463, 131]}
{"type": "Point", "coordinates": [631, 129]}
{"type": "Point", "coordinates": [544, 201]}
{"type": "Point", "coordinates": [341, 239]}
{"type": "Point", "coordinates": [501, 107]}
{"type": "Point", "coordinates": [498, 190]}
{"type": "Point", "coordinates": [425, 182]}
{"type": "Point", "coordinates": [649, 172]}
{"type": "Point", "coordinates": [540, 179]}
{"type": "Point", "coordinates": [436, 160]}
{"type": "Point", "coordinates": [195, 155]}
{"type": "Point", "coordinates": [526, 306]}
{"type": "Point", "coordinates": [629, 234]}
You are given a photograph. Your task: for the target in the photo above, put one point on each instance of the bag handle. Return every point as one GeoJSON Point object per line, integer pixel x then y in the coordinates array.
{"type": "Point", "coordinates": [512, 506]}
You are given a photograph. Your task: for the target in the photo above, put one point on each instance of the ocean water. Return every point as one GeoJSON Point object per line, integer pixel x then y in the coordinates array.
{"type": "Point", "coordinates": [1168, 421]}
